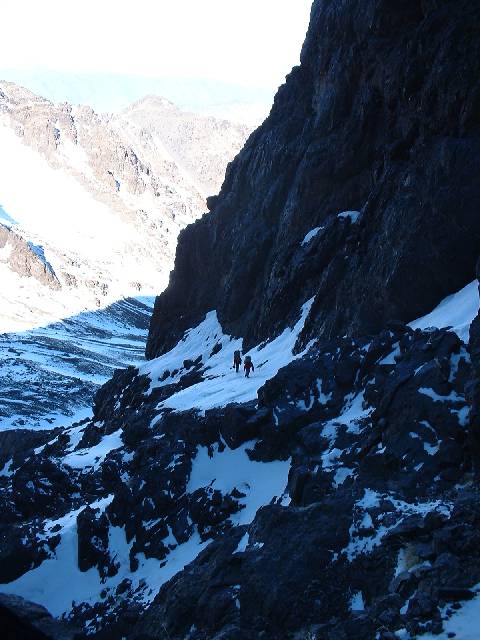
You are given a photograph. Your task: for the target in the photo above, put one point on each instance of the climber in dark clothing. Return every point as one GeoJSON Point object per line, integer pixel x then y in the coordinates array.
{"type": "Point", "coordinates": [237, 360]}
{"type": "Point", "coordinates": [248, 365]}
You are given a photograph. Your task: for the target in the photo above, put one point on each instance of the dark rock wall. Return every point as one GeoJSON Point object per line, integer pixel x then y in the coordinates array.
{"type": "Point", "coordinates": [24, 620]}
{"type": "Point", "coordinates": [382, 116]}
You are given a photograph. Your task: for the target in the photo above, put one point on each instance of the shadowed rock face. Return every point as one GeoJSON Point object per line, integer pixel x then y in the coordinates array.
{"type": "Point", "coordinates": [25, 620]}
{"type": "Point", "coordinates": [381, 117]}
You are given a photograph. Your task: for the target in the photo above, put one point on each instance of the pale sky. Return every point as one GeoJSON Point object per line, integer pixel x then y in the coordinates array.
{"type": "Point", "coordinates": [250, 42]}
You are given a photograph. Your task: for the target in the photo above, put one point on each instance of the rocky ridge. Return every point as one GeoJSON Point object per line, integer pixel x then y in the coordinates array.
{"type": "Point", "coordinates": [25, 259]}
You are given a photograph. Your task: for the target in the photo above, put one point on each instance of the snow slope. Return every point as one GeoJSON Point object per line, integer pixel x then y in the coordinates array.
{"type": "Point", "coordinates": [232, 468]}
{"type": "Point", "coordinates": [58, 581]}
{"type": "Point", "coordinates": [456, 311]}
{"type": "Point", "coordinates": [461, 625]}
{"type": "Point", "coordinates": [49, 374]}
{"type": "Point", "coordinates": [221, 384]}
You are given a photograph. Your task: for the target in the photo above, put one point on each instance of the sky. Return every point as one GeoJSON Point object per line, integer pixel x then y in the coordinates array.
{"type": "Point", "coordinates": [243, 42]}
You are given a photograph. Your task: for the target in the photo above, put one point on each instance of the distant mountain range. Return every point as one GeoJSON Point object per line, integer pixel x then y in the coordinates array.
{"type": "Point", "coordinates": [91, 205]}
{"type": "Point", "coordinates": [113, 92]}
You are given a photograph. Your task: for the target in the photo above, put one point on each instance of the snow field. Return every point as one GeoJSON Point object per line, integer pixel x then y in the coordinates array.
{"type": "Point", "coordinates": [78, 353]}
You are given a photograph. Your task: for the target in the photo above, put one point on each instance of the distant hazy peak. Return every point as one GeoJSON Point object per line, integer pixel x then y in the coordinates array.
{"type": "Point", "coordinates": [154, 102]}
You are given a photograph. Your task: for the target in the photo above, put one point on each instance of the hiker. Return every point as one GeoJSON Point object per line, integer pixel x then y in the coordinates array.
{"type": "Point", "coordinates": [237, 360]}
{"type": "Point", "coordinates": [248, 365]}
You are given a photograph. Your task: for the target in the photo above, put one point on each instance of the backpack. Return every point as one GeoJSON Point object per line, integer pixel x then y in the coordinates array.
{"type": "Point", "coordinates": [236, 355]}
{"type": "Point", "coordinates": [248, 359]}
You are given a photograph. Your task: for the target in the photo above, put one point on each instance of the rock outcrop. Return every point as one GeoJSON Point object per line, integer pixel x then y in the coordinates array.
{"type": "Point", "coordinates": [380, 118]}
{"type": "Point", "coordinates": [22, 620]}
{"type": "Point", "coordinates": [26, 259]}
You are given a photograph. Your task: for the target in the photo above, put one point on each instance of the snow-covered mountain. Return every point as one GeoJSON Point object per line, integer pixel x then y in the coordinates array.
{"type": "Point", "coordinates": [99, 200]}
{"type": "Point", "coordinates": [333, 494]}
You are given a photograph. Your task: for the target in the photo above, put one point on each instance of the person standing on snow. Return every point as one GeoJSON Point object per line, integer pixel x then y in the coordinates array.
{"type": "Point", "coordinates": [237, 360]}
{"type": "Point", "coordinates": [248, 365]}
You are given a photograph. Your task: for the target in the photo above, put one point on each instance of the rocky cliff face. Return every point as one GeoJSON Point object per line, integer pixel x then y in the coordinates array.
{"type": "Point", "coordinates": [200, 146]}
{"type": "Point", "coordinates": [381, 118]}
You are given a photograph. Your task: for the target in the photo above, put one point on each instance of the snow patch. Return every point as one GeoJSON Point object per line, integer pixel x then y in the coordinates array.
{"type": "Point", "coordinates": [463, 624]}
{"type": "Point", "coordinates": [456, 311]}
{"type": "Point", "coordinates": [353, 216]}
{"type": "Point", "coordinates": [356, 602]}
{"type": "Point", "coordinates": [242, 545]}
{"type": "Point", "coordinates": [262, 482]}
{"type": "Point", "coordinates": [310, 235]}
{"type": "Point", "coordinates": [452, 397]}
{"type": "Point", "coordinates": [94, 456]}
